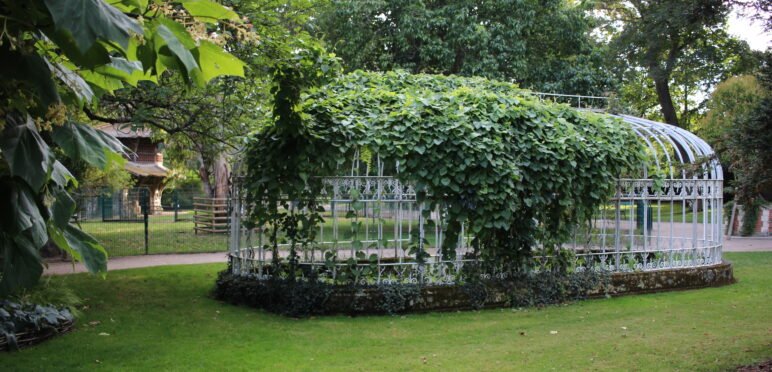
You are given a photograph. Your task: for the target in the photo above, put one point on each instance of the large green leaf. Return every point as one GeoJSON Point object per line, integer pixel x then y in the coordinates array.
{"type": "Point", "coordinates": [81, 141]}
{"type": "Point", "coordinates": [27, 155]}
{"type": "Point", "coordinates": [77, 85]}
{"type": "Point", "coordinates": [62, 208]}
{"type": "Point", "coordinates": [61, 176]}
{"type": "Point", "coordinates": [167, 38]}
{"type": "Point", "coordinates": [100, 82]}
{"type": "Point", "coordinates": [31, 68]}
{"type": "Point", "coordinates": [21, 214]}
{"type": "Point", "coordinates": [126, 6]}
{"type": "Point", "coordinates": [90, 20]}
{"type": "Point", "coordinates": [81, 246]}
{"type": "Point", "coordinates": [214, 61]}
{"type": "Point", "coordinates": [110, 77]}
{"type": "Point", "coordinates": [208, 11]}
{"type": "Point", "coordinates": [20, 268]}
{"type": "Point", "coordinates": [97, 55]}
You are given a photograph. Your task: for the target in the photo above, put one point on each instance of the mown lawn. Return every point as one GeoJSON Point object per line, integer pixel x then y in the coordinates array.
{"type": "Point", "coordinates": [162, 319]}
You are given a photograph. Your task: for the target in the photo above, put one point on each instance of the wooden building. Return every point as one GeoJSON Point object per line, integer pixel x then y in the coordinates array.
{"type": "Point", "coordinates": [145, 160]}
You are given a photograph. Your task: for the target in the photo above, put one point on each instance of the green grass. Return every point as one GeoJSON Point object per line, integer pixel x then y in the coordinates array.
{"type": "Point", "coordinates": [164, 236]}
{"type": "Point", "coordinates": [162, 319]}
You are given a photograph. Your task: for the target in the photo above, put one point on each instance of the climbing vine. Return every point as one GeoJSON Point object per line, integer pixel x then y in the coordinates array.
{"type": "Point", "coordinates": [513, 169]}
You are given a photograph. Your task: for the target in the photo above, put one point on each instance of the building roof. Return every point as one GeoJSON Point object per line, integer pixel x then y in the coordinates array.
{"type": "Point", "coordinates": [124, 130]}
{"type": "Point", "coordinates": [146, 169]}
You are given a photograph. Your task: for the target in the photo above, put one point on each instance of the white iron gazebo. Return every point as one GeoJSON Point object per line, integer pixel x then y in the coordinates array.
{"type": "Point", "coordinates": [668, 216]}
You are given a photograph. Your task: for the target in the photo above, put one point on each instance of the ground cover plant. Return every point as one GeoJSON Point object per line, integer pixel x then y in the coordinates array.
{"type": "Point", "coordinates": [163, 318]}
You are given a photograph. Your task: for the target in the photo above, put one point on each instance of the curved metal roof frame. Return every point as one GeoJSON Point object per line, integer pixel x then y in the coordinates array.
{"type": "Point", "coordinates": [687, 148]}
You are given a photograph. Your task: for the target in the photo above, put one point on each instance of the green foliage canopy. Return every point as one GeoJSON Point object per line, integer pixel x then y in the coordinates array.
{"type": "Point", "coordinates": [514, 169]}
{"type": "Point", "coordinates": [680, 46]}
{"type": "Point", "coordinates": [541, 45]}
{"type": "Point", "coordinates": [56, 58]}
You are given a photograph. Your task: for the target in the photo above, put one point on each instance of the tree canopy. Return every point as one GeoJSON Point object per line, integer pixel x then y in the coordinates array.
{"type": "Point", "coordinates": [59, 57]}
{"type": "Point", "coordinates": [542, 45]}
{"type": "Point", "coordinates": [677, 45]}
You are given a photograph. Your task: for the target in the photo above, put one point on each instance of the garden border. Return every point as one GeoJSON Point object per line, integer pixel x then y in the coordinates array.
{"type": "Point", "coordinates": [301, 298]}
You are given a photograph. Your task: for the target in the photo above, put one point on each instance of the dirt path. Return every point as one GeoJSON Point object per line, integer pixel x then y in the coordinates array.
{"type": "Point", "coordinates": [752, 244]}
{"type": "Point", "coordinates": [736, 244]}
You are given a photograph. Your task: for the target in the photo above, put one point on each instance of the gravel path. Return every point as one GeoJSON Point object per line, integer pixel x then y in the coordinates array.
{"type": "Point", "coordinates": [736, 244]}
{"type": "Point", "coordinates": [751, 244]}
{"type": "Point", "coordinates": [130, 262]}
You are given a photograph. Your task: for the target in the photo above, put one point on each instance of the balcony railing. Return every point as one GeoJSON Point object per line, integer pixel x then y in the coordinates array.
{"type": "Point", "coordinates": [144, 157]}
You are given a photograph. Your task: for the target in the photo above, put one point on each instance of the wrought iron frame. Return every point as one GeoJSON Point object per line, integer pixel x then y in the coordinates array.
{"type": "Point", "coordinates": [669, 216]}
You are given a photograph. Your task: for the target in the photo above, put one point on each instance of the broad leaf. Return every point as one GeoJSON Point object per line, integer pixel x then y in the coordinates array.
{"type": "Point", "coordinates": [90, 20]}
{"type": "Point", "coordinates": [208, 11]}
{"type": "Point", "coordinates": [31, 68]}
{"type": "Point", "coordinates": [101, 82]}
{"type": "Point", "coordinates": [110, 77]}
{"type": "Point", "coordinates": [27, 155]}
{"type": "Point", "coordinates": [81, 141]}
{"type": "Point", "coordinates": [62, 208]}
{"type": "Point", "coordinates": [21, 214]}
{"type": "Point", "coordinates": [96, 55]}
{"type": "Point", "coordinates": [73, 81]}
{"type": "Point", "coordinates": [83, 247]}
{"type": "Point", "coordinates": [61, 176]}
{"type": "Point", "coordinates": [175, 45]}
{"type": "Point", "coordinates": [19, 267]}
{"type": "Point", "coordinates": [214, 61]}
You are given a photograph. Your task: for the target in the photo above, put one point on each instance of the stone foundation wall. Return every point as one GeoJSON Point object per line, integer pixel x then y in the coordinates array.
{"type": "Point", "coordinates": [451, 298]}
{"type": "Point", "coordinates": [670, 280]}
{"type": "Point", "coordinates": [308, 298]}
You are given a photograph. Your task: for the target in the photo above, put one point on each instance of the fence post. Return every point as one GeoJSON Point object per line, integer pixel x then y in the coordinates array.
{"type": "Point", "coordinates": [176, 202]}
{"type": "Point", "coordinates": [145, 213]}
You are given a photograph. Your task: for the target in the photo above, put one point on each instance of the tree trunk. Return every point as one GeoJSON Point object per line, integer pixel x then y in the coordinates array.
{"type": "Point", "coordinates": [665, 99]}
{"type": "Point", "coordinates": [221, 177]}
{"type": "Point", "coordinates": [203, 173]}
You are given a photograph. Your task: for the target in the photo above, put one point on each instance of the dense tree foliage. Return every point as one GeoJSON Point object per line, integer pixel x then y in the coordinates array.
{"type": "Point", "coordinates": [57, 58]}
{"type": "Point", "coordinates": [739, 125]}
{"type": "Point", "coordinates": [672, 49]}
{"type": "Point", "coordinates": [732, 102]}
{"type": "Point", "coordinates": [204, 125]}
{"type": "Point", "coordinates": [542, 45]}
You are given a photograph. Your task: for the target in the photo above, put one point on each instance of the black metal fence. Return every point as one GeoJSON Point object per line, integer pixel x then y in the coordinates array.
{"type": "Point", "coordinates": [127, 222]}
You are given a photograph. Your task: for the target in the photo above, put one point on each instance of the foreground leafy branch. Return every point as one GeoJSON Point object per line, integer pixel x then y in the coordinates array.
{"type": "Point", "coordinates": [58, 58]}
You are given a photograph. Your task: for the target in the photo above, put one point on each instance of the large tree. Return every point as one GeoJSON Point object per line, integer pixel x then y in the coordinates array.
{"type": "Point", "coordinates": [544, 45]}
{"type": "Point", "coordinates": [739, 126]}
{"type": "Point", "coordinates": [57, 57]}
{"type": "Point", "coordinates": [672, 39]}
